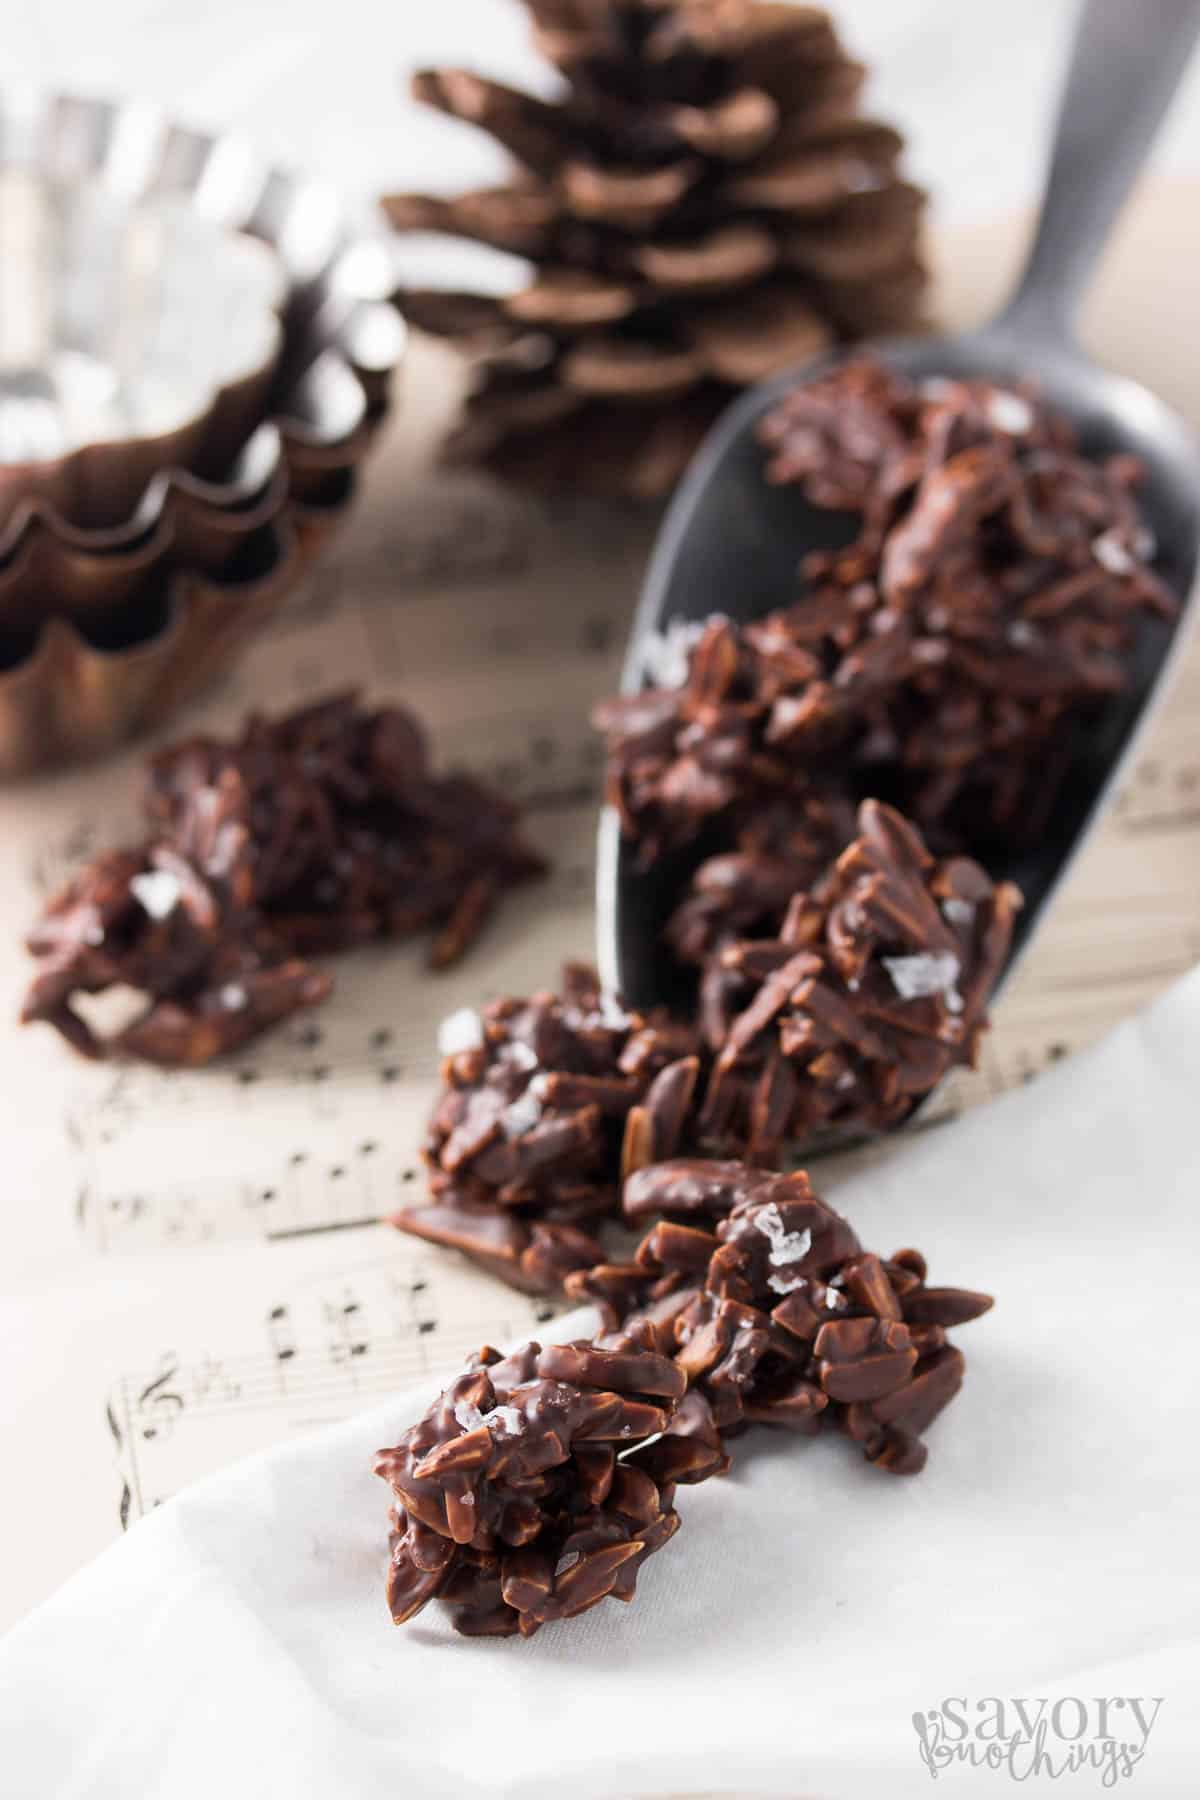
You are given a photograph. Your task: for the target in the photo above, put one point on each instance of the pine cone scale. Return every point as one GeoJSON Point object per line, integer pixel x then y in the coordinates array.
{"type": "Point", "coordinates": [733, 130]}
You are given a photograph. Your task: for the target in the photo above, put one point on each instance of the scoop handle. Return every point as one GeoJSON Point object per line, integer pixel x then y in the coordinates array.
{"type": "Point", "coordinates": [1126, 61]}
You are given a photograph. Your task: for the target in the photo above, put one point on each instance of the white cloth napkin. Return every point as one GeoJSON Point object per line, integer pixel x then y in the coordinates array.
{"type": "Point", "coordinates": [236, 1643]}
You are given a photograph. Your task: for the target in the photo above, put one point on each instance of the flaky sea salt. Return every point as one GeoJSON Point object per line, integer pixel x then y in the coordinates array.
{"type": "Point", "coordinates": [1009, 413]}
{"type": "Point", "coordinates": [786, 1246]}
{"type": "Point", "coordinates": [786, 1284]}
{"type": "Point", "coordinates": [608, 1013]}
{"type": "Point", "coordinates": [157, 892]}
{"type": "Point", "coordinates": [1021, 634]}
{"type": "Point", "coordinates": [667, 654]}
{"type": "Point", "coordinates": [1112, 555]}
{"type": "Point", "coordinates": [611, 1013]}
{"type": "Point", "coordinates": [468, 1416]}
{"type": "Point", "coordinates": [928, 974]}
{"type": "Point", "coordinates": [519, 1055]}
{"type": "Point", "coordinates": [461, 1030]}
{"type": "Point", "coordinates": [233, 996]}
{"type": "Point", "coordinates": [523, 1113]}
{"type": "Point", "coordinates": [958, 912]}
{"type": "Point", "coordinates": [505, 1420]}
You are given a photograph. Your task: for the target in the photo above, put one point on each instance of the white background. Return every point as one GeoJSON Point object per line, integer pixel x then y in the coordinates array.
{"type": "Point", "coordinates": [317, 82]}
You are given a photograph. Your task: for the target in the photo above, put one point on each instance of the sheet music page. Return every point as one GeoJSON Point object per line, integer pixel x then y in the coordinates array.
{"type": "Point", "coordinates": [196, 1264]}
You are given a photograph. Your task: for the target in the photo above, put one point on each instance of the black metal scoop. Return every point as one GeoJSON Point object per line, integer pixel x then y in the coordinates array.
{"type": "Point", "coordinates": [731, 544]}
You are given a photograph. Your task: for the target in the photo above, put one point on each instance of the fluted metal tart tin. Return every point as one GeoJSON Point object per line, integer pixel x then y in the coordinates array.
{"type": "Point", "coordinates": [195, 350]}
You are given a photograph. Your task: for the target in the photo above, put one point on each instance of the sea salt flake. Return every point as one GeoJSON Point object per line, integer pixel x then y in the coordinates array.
{"type": "Point", "coordinates": [1022, 635]}
{"type": "Point", "coordinates": [1009, 413]}
{"type": "Point", "coordinates": [611, 1013]}
{"type": "Point", "coordinates": [519, 1055]}
{"type": "Point", "coordinates": [505, 1420]}
{"type": "Point", "coordinates": [157, 892]}
{"type": "Point", "coordinates": [461, 1030]}
{"type": "Point", "coordinates": [786, 1246]}
{"type": "Point", "coordinates": [233, 996]}
{"type": "Point", "coordinates": [786, 1284]}
{"type": "Point", "coordinates": [608, 1014]}
{"type": "Point", "coordinates": [93, 935]}
{"type": "Point", "coordinates": [667, 654]}
{"type": "Point", "coordinates": [927, 975]}
{"type": "Point", "coordinates": [1112, 554]}
{"type": "Point", "coordinates": [523, 1114]}
{"type": "Point", "coordinates": [958, 912]}
{"type": "Point", "coordinates": [468, 1416]}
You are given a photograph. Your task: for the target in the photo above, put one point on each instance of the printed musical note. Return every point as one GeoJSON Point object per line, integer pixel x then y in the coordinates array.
{"type": "Point", "coordinates": [346, 1337]}
{"type": "Point", "coordinates": [329, 1347]}
{"type": "Point", "coordinates": [281, 1334]}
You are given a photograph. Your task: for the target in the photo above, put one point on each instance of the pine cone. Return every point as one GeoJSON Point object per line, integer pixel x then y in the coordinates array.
{"type": "Point", "coordinates": [546, 1102]}
{"type": "Point", "coordinates": [703, 207]}
{"type": "Point", "coordinates": [779, 1317]}
{"type": "Point", "coordinates": [514, 1506]}
{"type": "Point", "coordinates": [876, 987]}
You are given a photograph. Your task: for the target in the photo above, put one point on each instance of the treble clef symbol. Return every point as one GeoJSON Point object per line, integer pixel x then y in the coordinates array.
{"type": "Point", "coordinates": [158, 1404]}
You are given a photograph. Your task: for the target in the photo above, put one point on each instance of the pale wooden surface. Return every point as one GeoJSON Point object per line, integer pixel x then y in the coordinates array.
{"type": "Point", "coordinates": [192, 1263]}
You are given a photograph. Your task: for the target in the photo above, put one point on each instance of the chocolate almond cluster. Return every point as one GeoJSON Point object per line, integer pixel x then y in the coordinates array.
{"type": "Point", "coordinates": [875, 987]}
{"type": "Point", "coordinates": [776, 1316]}
{"type": "Point", "coordinates": [537, 1485]}
{"type": "Point", "coordinates": [997, 584]}
{"type": "Point", "coordinates": [943, 662]}
{"type": "Point", "coordinates": [546, 1102]}
{"type": "Point", "coordinates": [147, 920]}
{"type": "Point", "coordinates": [309, 833]}
{"type": "Point", "coordinates": [522, 1496]}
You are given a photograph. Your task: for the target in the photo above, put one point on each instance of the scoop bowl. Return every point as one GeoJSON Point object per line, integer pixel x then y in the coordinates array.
{"type": "Point", "coordinates": [731, 543]}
